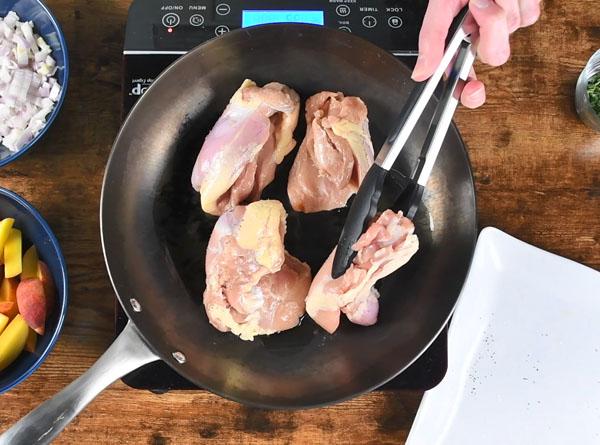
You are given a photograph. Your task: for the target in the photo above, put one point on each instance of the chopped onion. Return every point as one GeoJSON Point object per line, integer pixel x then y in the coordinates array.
{"type": "Point", "coordinates": [19, 39]}
{"type": "Point", "coordinates": [4, 112]}
{"type": "Point", "coordinates": [44, 90]}
{"type": "Point", "coordinates": [43, 45]}
{"type": "Point", "coordinates": [41, 55]}
{"type": "Point", "coordinates": [21, 55]}
{"type": "Point", "coordinates": [19, 86]}
{"type": "Point", "coordinates": [11, 19]}
{"type": "Point", "coordinates": [28, 90]}
{"type": "Point", "coordinates": [54, 92]}
{"type": "Point", "coordinates": [5, 75]}
{"type": "Point", "coordinates": [5, 30]}
{"type": "Point", "coordinates": [27, 30]}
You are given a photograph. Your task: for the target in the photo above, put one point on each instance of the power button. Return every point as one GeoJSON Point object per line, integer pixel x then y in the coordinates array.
{"type": "Point", "coordinates": [170, 20]}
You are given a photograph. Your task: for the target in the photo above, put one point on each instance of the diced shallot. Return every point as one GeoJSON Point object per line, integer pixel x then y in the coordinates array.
{"type": "Point", "coordinates": [27, 30]}
{"type": "Point", "coordinates": [11, 19]}
{"type": "Point", "coordinates": [28, 90]}
{"type": "Point", "coordinates": [5, 30]}
{"type": "Point", "coordinates": [41, 55]}
{"type": "Point", "coordinates": [54, 92]}
{"type": "Point", "coordinates": [21, 55]}
{"type": "Point", "coordinates": [19, 86]}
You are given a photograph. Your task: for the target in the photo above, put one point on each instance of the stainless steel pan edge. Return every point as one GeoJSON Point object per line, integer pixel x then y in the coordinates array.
{"type": "Point", "coordinates": [127, 353]}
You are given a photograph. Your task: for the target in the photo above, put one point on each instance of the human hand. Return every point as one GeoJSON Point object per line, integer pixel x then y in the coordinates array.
{"type": "Point", "coordinates": [490, 21]}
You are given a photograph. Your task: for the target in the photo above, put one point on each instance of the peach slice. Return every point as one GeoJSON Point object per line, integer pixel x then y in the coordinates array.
{"type": "Point", "coordinates": [8, 289]}
{"type": "Point", "coordinates": [13, 263]}
{"type": "Point", "coordinates": [9, 308]}
{"type": "Point", "coordinates": [12, 341]}
{"type": "Point", "coordinates": [5, 226]}
{"type": "Point", "coordinates": [8, 294]}
{"type": "Point", "coordinates": [3, 322]}
{"type": "Point", "coordinates": [30, 264]}
{"type": "Point", "coordinates": [49, 289]}
{"type": "Point", "coordinates": [31, 342]}
{"type": "Point", "coordinates": [32, 303]}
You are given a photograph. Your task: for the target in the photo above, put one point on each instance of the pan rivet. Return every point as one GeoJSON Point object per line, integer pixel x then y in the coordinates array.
{"type": "Point", "coordinates": [137, 307]}
{"type": "Point", "coordinates": [179, 357]}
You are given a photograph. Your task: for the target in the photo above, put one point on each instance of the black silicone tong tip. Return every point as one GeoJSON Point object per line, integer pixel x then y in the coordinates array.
{"type": "Point", "coordinates": [410, 200]}
{"type": "Point", "coordinates": [361, 212]}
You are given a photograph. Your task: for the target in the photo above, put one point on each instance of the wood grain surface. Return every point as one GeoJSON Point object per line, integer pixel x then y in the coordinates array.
{"type": "Point", "coordinates": [537, 172]}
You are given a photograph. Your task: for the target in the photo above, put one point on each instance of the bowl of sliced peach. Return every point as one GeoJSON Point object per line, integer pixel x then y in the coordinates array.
{"type": "Point", "coordinates": [33, 289]}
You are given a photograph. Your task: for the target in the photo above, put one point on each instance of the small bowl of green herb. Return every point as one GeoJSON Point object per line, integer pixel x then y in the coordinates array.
{"type": "Point", "coordinates": [587, 93]}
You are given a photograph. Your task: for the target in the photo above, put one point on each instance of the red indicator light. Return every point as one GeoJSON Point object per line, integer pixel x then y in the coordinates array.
{"type": "Point", "coordinates": [169, 30]}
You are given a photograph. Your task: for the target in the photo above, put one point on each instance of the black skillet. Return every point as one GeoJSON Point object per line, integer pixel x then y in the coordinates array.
{"type": "Point", "coordinates": [154, 235]}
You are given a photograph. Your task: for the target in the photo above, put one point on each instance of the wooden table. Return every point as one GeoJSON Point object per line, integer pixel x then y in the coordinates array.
{"type": "Point", "coordinates": [537, 171]}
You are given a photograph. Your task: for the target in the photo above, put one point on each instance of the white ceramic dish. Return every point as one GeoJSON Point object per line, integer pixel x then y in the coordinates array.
{"type": "Point", "coordinates": [523, 353]}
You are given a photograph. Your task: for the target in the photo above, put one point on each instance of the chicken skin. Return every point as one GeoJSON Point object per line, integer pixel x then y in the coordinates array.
{"type": "Point", "coordinates": [387, 245]}
{"type": "Point", "coordinates": [239, 156]}
{"type": "Point", "coordinates": [253, 286]}
{"type": "Point", "coordinates": [335, 155]}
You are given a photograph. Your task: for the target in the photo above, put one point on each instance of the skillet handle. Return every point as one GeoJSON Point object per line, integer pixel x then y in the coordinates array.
{"type": "Point", "coordinates": [127, 353]}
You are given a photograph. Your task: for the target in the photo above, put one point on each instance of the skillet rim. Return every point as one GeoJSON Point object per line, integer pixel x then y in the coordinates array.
{"type": "Point", "coordinates": [130, 313]}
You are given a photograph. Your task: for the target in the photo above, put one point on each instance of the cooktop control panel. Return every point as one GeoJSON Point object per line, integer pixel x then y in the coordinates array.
{"type": "Point", "coordinates": [160, 25]}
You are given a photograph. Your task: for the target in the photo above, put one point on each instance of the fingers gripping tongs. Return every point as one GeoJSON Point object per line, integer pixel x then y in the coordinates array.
{"type": "Point", "coordinates": [365, 204]}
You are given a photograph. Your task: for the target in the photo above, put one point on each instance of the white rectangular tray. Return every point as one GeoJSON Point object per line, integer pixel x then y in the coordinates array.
{"type": "Point", "coordinates": [523, 353]}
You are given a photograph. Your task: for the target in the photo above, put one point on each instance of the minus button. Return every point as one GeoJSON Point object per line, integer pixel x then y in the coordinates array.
{"type": "Point", "coordinates": [223, 9]}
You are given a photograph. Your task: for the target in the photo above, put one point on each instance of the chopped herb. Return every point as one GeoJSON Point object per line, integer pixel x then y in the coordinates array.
{"type": "Point", "coordinates": [593, 90]}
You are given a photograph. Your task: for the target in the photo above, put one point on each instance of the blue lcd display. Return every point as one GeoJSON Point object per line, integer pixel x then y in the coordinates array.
{"type": "Point", "coordinates": [261, 17]}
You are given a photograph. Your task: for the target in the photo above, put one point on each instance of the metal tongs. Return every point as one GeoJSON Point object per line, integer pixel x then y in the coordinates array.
{"type": "Point", "coordinates": [366, 202]}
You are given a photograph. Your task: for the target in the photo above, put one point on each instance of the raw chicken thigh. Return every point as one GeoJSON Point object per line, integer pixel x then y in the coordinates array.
{"type": "Point", "coordinates": [240, 154]}
{"type": "Point", "coordinates": [334, 156]}
{"type": "Point", "coordinates": [253, 286]}
{"type": "Point", "coordinates": [386, 246]}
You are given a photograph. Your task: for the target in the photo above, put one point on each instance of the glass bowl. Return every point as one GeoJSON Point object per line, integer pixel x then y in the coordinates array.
{"type": "Point", "coordinates": [582, 100]}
